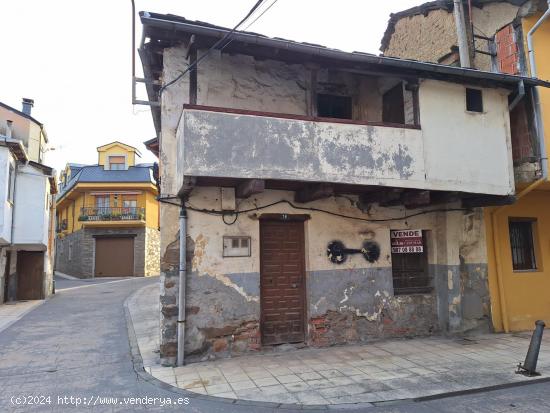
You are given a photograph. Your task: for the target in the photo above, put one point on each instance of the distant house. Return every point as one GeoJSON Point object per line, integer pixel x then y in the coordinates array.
{"type": "Point", "coordinates": [27, 209]}
{"type": "Point", "coordinates": [107, 216]}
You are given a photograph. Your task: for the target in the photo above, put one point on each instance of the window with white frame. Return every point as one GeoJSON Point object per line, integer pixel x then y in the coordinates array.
{"type": "Point", "coordinates": [117, 163]}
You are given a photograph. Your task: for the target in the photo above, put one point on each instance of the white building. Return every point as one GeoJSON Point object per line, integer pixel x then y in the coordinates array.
{"type": "Point", "coordinates": [26, 207]}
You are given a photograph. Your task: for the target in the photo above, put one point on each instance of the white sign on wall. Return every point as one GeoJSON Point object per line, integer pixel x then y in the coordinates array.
{"type": "Point", "coordinates": [406, 241]}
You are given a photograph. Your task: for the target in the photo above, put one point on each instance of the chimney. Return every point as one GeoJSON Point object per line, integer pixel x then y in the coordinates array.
{"type": "Point", "coordinates": [9, 128]}
{"type": "Point", "coordinates": [27, 106]}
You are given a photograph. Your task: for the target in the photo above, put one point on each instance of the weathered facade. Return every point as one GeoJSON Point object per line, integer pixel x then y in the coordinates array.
{"type": "Point", "coordinates": [295, 206]}
{"type": "Point", "coordinates": [518, 280]}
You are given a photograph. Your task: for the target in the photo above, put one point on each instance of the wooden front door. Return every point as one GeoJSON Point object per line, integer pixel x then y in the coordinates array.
{"type": "Point", "coordinates": [114, 257]}
{"type": "Point", "coordinates": [30, 275]}
{"type": "Point", "coordinates": [282, 282]}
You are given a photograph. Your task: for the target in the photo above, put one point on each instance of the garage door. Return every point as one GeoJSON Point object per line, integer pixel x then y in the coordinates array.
{"type": "Point", "coordinates": [114, 257]}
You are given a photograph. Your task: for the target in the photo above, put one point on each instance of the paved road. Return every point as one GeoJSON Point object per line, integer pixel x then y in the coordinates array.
{"type": "Point", "coordinates": [77, 345]}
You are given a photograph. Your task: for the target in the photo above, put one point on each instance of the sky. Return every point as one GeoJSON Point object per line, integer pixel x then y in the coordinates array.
{"type": "Point", "coordinates": [74, 58]}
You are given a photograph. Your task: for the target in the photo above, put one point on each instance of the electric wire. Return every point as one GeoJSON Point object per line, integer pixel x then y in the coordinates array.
{"type": "Point", "coordinates": [216, 45]}
{"type": "Point", "coordinates": [236, 213]}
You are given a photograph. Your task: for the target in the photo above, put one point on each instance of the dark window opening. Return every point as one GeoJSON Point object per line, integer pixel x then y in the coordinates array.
{"type": "Point", "coordinates": [393, 105]}
{"type": "Point", "coordinates": [332, 106]}
{"type": "Point", "coordinates": [410, 270]}
{"type": "Point", "coordinates": [474, 100]}
{"type": "Point", "coordinates": [522, 244]}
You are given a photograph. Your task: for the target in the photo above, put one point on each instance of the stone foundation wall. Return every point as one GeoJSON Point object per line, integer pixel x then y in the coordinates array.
{"type": "Point", "coordinates": [152, 252]}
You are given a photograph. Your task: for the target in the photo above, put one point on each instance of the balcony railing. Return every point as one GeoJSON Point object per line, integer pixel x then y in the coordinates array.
{"type": "Point", "coordinates": [112, 214]}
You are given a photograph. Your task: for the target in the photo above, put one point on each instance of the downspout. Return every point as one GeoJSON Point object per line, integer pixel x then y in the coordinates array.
{"type": "Point", "coordinates": [182, 284]}
{"type": "Point", "coordinates": [462, 34]}
{"type": "Point", "coordinates": [536, 96]}
{"type": "Point", "coordinates": [544, 166]}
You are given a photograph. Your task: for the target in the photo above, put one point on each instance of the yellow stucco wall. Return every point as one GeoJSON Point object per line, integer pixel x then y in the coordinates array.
{"type": "Point", "coordinates": [518, 299]}
{"type": "Point", "coordinates": [541, 42]}
{"type": "Point", "coordinates": [526, 294]}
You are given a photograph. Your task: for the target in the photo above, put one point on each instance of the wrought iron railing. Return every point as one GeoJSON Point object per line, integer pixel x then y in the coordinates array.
{"type": "Point", "coordinates": [112, 214]}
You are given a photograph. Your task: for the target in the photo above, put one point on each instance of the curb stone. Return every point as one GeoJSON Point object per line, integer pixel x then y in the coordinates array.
{"type": "Point", "coordinates": [137, 362]}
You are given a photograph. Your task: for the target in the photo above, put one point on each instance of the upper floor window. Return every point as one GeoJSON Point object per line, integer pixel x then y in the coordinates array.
{"type": "Point", "coordinates": [393, 105]}
{"type": "Point", "coordinates": [333, 106]}
{"type": "Point", "coordinates": [102, 201]}
{"type": "Point", "coordinates": [129, 205]}
{"type": "Point", "coordinates": [117, 163]}
{"type": "Point", "coordinates": [474, 100]}
{"type": "Point", "coordinates": [522, 242]}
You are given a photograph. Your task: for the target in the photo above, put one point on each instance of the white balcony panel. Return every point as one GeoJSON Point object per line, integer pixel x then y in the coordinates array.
{"type": "Point", "coordinates": [247, 146]}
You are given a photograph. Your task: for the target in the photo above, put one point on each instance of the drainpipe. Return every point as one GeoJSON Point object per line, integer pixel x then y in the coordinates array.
{"type": "Point", "coordinates": [536, 96]}
{"type": "Point", "coordinates": [182, 284]}
{"type": "Point", "coordinates": [544, 166]}
{"type": "Point", "coordinates": [462, 34]}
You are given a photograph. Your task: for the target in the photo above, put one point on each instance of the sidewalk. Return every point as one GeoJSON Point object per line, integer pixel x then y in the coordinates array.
{"type": "Point", "coordinates": [12, 311]}
{"type": "Point", "coordinates": [382, 371]}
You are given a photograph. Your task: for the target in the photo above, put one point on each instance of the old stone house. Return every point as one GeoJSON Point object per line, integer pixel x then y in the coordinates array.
{"type": "Point", "coordinates": [498, 40]}
{"type": "Point", "coordinates": [331, 197]}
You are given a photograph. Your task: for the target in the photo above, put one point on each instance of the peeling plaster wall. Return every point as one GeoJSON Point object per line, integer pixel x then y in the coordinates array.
{"type": "Point", "coordinates": [455, 150]}
{"type": "Point", "coordinates": [345, 303]}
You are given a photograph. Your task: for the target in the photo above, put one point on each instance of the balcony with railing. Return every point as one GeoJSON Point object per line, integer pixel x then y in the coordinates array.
{"type": "Point", "coordinates": [90, 215]}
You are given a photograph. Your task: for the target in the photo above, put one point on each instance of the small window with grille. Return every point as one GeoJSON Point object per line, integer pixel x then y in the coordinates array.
{"type": "Point", "coordinates": [522, 242]}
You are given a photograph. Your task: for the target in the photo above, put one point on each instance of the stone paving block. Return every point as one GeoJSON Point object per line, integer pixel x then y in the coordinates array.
{"type": "Point", "coordinates": [289, 378]}
{"type": "Point", "coordinates": [319, 384]}
{"type": "Point", "coordinates": [217, 388]}
{"type": "Point", "coordinates": [265, 381]}
{"type": "Point", "coordinates": [330, 373]}
{"type": "Point", "coordinates": [341, 381]}
{"type": "Point", "coordinates": [310, 376]}
{"type": "Point", "coordinates": [296, 387]}
{"type": "Point", "coordinates": [243, 385]}
{"type": "Point", "coordinates": [276, 389]}
{"type": "Point", "coordinates": [309, 397]}
{"type": "Point", "coordinates": [332, 392]}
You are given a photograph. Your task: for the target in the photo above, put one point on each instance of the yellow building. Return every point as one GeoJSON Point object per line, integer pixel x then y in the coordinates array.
{"type": "Point", "coordinates": [518, 235]}
{"type": "Point", "coordinates": [108, 216]}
